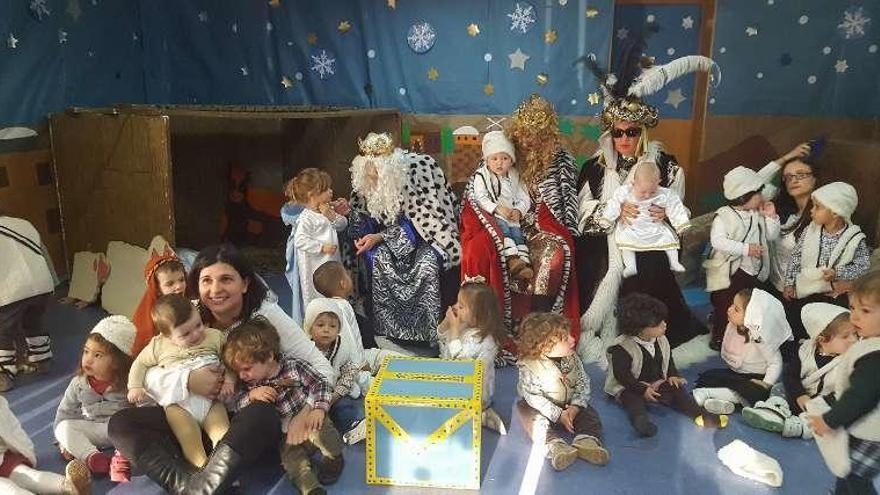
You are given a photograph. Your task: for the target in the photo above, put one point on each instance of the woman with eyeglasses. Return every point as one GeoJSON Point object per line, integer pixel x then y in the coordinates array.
{"type": "Point", "coordinates": [793, 204]}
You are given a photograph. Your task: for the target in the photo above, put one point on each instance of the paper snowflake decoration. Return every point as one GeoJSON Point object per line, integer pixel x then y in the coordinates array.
{"type": "Point", "coordinates": [854, 23]}
{"type": "Point", "coordinates": [323, 64]}
{"type": "Point", "coordinates": [522, 18]}
{"type": "Point", "coordinates": [421, 37]}
{"type": "Point", "coordinates": [39, 9]}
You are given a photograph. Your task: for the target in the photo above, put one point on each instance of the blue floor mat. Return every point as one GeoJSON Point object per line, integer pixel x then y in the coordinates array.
{"type": "Point", "coordinates": [681, 459]}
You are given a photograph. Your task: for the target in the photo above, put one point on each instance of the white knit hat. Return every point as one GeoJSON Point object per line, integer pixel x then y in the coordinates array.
{"type": "Point", "coordinates": [118, 330]}
{"type": "Point", "coordinates": [839, 197]}
{"type": "Point", "coordinates": [318, 306]}
{"type": "Point", "coordinates": [817, 316]}
{"type": "Point", "coordinates": [497, 142]}
{"type": "Point", "coordinates": [740, 181]}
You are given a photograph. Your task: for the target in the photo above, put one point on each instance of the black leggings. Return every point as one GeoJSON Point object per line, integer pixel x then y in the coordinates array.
{"type": "Point", "coordinates": [253, 431]}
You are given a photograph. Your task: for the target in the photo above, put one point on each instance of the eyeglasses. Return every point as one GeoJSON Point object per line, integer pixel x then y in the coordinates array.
{"type": "Point", "coordinates": [796, 177]}
{"type": "Point", "coordinates": [631, 132]}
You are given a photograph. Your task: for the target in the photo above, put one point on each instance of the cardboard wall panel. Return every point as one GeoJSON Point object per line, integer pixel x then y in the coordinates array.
{"type": "Point", "coordinates": [27, 190]}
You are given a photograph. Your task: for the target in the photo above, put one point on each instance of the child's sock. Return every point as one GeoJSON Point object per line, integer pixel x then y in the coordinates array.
{"type": "Point", "coordinates": [120, 468]}
{"type": "Point", "coordinates": [674, 264]}
{"type": "Point", "coordinates": [629, 263]}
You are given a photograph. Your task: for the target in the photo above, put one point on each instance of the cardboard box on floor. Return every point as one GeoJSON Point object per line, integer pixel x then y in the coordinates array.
{"type": "Point", "coordinates": [27, 190]}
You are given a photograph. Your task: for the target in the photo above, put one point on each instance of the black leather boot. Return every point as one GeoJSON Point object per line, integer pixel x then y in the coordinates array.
{"type": "Point", "coordinates": [166, 467]}
{"type": "Point", "coordinates": [218, 474]}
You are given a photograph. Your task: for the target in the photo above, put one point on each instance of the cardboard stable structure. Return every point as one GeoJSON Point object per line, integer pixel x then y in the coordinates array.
{"type": "Point", "coordinates": [129, 173]}
{"type": "Point", "coordinates": [424, 423]}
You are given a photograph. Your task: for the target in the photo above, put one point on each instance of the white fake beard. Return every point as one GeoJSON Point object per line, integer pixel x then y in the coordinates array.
{"type": "Point", "coordinates": [384, 197]}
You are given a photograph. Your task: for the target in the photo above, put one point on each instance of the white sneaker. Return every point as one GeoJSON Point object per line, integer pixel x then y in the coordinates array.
{"type": "Point", "coordinates": [356, 434]}
{"type": "Point", "coordinates": [719, 406]}
{"type": "Point", "coordinates": [700, 396]}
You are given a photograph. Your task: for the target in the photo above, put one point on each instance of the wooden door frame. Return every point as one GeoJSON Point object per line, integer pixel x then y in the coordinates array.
{"type": "Point", "coordinates": [701, 100]}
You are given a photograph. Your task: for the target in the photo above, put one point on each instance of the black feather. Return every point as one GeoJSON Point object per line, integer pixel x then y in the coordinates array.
{"type": "Point", "coordinates": [598, 72]}
{"type": "Point", "coordinates": [629, 62]}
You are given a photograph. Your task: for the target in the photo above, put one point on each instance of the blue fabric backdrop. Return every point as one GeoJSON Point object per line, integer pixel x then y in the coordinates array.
{"type": "Point", "coordinates": [60, 53]}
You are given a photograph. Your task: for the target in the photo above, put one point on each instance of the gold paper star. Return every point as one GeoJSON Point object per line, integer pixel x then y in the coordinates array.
{"type": "Point", "coordinates": [312, 38]}
{"type": "Point", "coordinates": [473, 29]}
{"type": "Point", "coordinates": [542, 79]}
{"type": "Point", "coordinates": [275, 3]}
{"type": "Point", "coordinates": [592, 12]}
{"type": "Point", "coordinates": [286, 82]}
{"type": "Point", "coordinates": [392, 4]}
{"type": "Point", "coordinates": [344, 26]}
{"type": "Point", "coordinates": [550, 37]}
{"type": "Point", "coordinates": [433, 74]}
{"type": "Point", "coordinates": [593, 98]}
{"type": "Point", "coordinates": [489, 89]}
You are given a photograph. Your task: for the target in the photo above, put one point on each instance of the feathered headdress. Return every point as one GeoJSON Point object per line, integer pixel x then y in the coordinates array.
{"type": "Point", "coordinates": [638, 77]}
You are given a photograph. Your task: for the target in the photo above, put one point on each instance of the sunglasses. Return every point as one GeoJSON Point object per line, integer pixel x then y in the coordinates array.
{"type": "Point", "coordinates": [631, 132]}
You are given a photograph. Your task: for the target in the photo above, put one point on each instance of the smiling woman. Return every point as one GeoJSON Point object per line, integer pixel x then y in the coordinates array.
{"type": "Point", "coordinates": [229, 293]}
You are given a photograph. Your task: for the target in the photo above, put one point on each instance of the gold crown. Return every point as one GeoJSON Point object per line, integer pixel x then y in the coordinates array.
{"type": "Point", "coordinates": [629, 109]}
{"type": "Point", "coordinates": [376, 144]}
{"type": "Point", "coordinates": [535, 112]}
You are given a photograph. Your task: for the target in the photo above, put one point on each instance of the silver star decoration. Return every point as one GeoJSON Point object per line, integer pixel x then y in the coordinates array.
{"type": "Point", "coordinates": [244, 71]}
{"type": "Point", "coordinates": [518, 59]}
{"type": "Point", "coordinates": [687, 23]}
{"type": "Point", "coordinates": [235, 27]}
{"type": "Point", "coordinates": [674, 98]}
{"type": "Point", "coordinates": [62, 36]}
{"type": "Point", "coordinates": [12, 41]}
{"type": "Point", "coordinates": [841, 66]}
{"type": "Point", "coordinates": [751, 31]}
{"type": "Point", "coordinates": [134, 37]}
{"type": "Point", "coordinates": [269, 27]}
{"type": "Point", "coordinates": [622, 33]}
{"type": "Point", "coordinates": [91, 53]}
{"type": "Point", "coordinates": [495, 123]}
{"type": "Point", "coordinates": [203, 16]}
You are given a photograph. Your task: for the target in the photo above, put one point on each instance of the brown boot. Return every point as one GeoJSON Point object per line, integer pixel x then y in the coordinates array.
{"type": "Point", "coordinates": [330, 469]}
{"type": "Point", "coordinates": [590, 450]}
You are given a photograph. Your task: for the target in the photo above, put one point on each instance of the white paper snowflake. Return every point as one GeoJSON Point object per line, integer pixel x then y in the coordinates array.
{"type": "Point", "coordinates": [421, 37]}
{"type": "Point", "coordinates": [39, 9]}
{"type": "Point", "coordinates": [323, 64]}
{"type": "Point", "coordinates": [854, 23]}
{"type": "Point", "coordinates": [522, 18]}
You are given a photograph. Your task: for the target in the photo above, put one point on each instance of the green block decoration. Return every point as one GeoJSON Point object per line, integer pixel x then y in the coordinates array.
{"type": "Point", "coordinates": [405, 131]}
{"type": "Point", "coordinates": [591, 131]}
{"type": "Point", "coordinates": [566, 126]}
{"type": "Point", "coordinates": [447, 145]}
{"type": "Point", "coordinates": [581, 160]}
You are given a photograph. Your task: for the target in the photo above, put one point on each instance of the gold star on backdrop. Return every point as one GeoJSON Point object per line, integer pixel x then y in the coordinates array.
{"type": "Point", "coordinates": [312, 39]}
{"type": "Point", "coordinates": [473, 29]}
{"type": "Point", "coordinates": [275, 3]}
{"type": "Point", "coordinates": [542, 79]}
{"type": "Point", "coordinates": [344, 26]}
{"type": "Point", "coordinates": [592, 12]}
{"type": "Point", "coordinates": [489, 89]}
{"type": "Point", "coordinates": [433, 74]}
{"type": "Point", "coordinates": [550, 37]}
{"type": "Point", "coordinates": [593, 98]}
{"type": "Point", "coordinates": [392, 3]}
{"type": "Point", "coordinates": [286, 82]}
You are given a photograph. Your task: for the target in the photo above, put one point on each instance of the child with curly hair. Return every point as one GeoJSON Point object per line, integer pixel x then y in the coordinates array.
{"type": "Point", "coordinates": [555, 391]}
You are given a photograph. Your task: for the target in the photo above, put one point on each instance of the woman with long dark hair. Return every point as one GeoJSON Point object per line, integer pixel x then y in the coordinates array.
{"type": "Point", "coordinates": [228, 293]}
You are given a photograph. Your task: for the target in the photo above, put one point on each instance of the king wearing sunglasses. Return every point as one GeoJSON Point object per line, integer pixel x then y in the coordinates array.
{"type": "Point", "coordinates": [626, 119]}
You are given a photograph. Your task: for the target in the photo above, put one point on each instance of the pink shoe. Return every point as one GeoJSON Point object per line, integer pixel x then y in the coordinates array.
{"type": "Point", "coordinates": [120, 468]}
{"type": "Point", "coordinates": [98, 463]}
